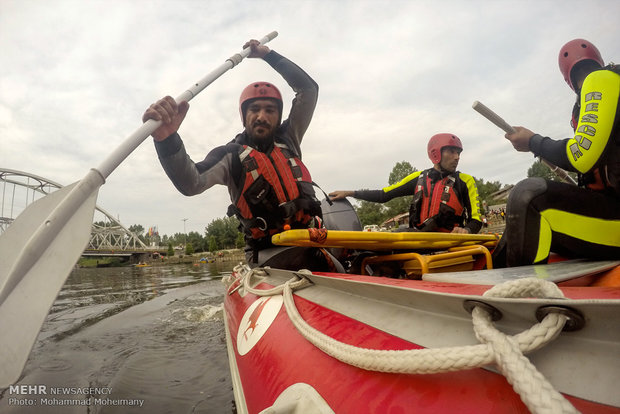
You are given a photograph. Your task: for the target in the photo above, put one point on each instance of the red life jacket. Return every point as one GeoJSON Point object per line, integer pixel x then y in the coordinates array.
{"type": "Point", "coordinates": [276, 190]}
{"type": "Point", "coordinates": [436, 207]}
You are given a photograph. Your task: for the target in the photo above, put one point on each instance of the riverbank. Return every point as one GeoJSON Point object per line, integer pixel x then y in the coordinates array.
{"type": "Point", "coordinates": [223, 256]}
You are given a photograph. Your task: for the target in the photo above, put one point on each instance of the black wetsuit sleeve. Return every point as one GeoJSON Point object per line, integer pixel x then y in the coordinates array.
{"type": "Point", "coordinates": [193, 178]}
{"type": "Point", "coordinates": [551, 150]}
{"type": "Point", "coordinates": [388, 193]}
{"type": "Point", "coordinates": [473, 226]}
{"type": "Point", "coordinates": [303, 105]}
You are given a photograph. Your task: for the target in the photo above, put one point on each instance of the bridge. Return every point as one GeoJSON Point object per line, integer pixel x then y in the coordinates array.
{"type": "Point", "coordinates": [19, 189]}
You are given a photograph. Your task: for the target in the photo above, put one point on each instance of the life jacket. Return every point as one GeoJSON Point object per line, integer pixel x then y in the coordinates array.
{"type": "Point", "coordinates": [436, 206]}
{"type": "Point", "coordinates": [607, 175]}
{"type": "Point", "coordinates": [276, 189]}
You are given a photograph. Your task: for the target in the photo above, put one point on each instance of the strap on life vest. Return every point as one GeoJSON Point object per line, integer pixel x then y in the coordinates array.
{"type": "Point", "coordinates": [276, 190]}
{"type": "Point", "coordinates": [416, 202]}
{"type": "Point", "coordinates": [297, 170]}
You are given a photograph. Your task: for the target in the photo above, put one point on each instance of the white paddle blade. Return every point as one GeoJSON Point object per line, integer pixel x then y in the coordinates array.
{"type": "Point", "coordinates": [23, 311]}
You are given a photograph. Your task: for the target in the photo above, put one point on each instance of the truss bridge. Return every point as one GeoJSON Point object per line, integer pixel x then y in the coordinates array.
{"type": "Point", "coordinates": [19, 189]}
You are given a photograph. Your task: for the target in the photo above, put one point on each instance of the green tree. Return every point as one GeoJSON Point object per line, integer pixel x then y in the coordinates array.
{"type": "Point", "coordinates": [485, 189]}
{"type": "Point", "coordinates": [170, 250]}
{"type": "Point", "coordinates": [371, 213]}
{"type": "Point", "coordinates": [400, 171]}
{"type": "Point", "coordinates": [197, 241]}
{"type": "Point", "coordinates": [225, 231]}
{"type": "Point", "coordinates": [399, 205]}
{"type": "Point", "coordinates": [376, 213]}
{"type": "Point", "coordinates": [540, 169]}
{"type": "Point", "coordinates": [212, 244]}
{"type": "Point", "coordinates": [138, 230]}
{"type": "Point", "coordinates": [179, 238]}
{"type": "Point", "coordinates": [240, 241]}
{"type": "Point", "coordinates": [189, 249]}
{"type": "Point", "coordinates": [231, 233]}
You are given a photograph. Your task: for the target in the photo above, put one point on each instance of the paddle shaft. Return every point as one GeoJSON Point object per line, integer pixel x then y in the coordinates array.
{"type": "Point", "coordinates": [62, 214]}
{"type": "Point", "coordinates": [499, 121]}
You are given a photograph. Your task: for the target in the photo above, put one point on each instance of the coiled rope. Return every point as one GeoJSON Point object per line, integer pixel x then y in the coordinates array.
{"type": "Point", "coordinates": [506, 351]}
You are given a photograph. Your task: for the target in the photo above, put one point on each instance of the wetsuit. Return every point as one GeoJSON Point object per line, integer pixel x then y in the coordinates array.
{"type": "Point", "coordinates": [584, 222]}
{"type": "Point", "coordinates": [223, 164]}
{"type": "Point", "coordinates": [464, 188]}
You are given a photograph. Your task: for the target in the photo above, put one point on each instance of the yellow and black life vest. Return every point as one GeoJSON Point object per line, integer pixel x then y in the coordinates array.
{"type": "Point", "coordinates": [435, 205]}
{"type": "Point", "coordinates": [276, 189]}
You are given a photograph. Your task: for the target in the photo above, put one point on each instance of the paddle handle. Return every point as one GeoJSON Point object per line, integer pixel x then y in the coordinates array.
{"type": "Point", "coordinates": [230, 63]}
{"type": "Point", "coordinates": [483, 110]}
{"type": "Point", "coordinates": [134, 140]}
{"type": "Point", "coordinates": [493, 117]}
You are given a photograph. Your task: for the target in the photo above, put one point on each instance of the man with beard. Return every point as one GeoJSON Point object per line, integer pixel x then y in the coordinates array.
{"type": "Point", "coordinates": [443, 199]}
{"type": "Point", "coordinates": [270, 188]}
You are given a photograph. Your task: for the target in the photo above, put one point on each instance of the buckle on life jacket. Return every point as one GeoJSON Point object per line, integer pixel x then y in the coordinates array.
{"type": "Point", "coordinates": [256, 222]}
{"type": "Point", "coordinates": [249, 164]}
{"type": "Point", "coordinates": [296, 171]}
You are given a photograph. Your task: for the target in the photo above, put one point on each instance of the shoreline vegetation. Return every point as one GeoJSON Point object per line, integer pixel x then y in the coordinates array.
{"type": "Point", "coordinates": [195, 258]}
{"type": "Point", "coordinates": [495, 225]}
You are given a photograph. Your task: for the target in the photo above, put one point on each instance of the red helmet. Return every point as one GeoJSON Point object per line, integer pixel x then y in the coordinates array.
{"type": "Point", "coordinates": [258, 90]}
{"type": "Point", "coordinates": [576, 51]}
{"type": "Point", "coordinates": [438, 142]}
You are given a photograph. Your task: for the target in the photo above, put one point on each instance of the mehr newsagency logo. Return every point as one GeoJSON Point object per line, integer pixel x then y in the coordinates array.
{"type": "Point", "coordinates": [43, 395]}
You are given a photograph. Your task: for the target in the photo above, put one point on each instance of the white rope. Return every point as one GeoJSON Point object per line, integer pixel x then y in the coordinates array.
{"type": "Point", "coordinates": [294, 283]}
{"type": "Point", "coordinates": [506, 351]}
{"type": "Point", "coordinates": [533, 388]}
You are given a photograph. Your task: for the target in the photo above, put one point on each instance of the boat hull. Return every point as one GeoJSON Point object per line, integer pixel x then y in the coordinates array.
{"type": "Point", "coordinates": [273, 364]}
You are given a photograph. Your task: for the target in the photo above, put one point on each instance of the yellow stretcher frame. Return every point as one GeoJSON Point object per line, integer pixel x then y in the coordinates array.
{"type": "Point", "coordinates": [443, 261]}
{"type": "Point", "coordinates": [380, 241]}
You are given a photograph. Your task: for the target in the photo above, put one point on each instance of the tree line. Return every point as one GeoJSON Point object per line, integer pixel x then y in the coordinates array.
{"type": "Point", "coordinates": [220, 234]}
{"type": "Point", "coordinates": [223, 233]}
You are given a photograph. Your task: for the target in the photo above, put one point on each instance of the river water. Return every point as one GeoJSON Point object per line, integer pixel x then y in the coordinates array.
{"type": "Point", "coordinates": [131, 340]}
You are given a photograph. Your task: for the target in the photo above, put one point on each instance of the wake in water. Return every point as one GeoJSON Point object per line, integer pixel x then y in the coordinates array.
{"type": "Point", "coordinates": [163, 355]}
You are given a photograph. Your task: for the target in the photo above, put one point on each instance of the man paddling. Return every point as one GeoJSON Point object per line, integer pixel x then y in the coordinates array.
{"type": "Point", "coordinates": [443, 199]}
{"type": "Point", "coordinates": [584, 221]}
{"type": "Point", "coordinates": [269, 186]}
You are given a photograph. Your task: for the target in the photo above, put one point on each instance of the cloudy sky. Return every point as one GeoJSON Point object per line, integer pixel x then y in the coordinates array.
{"type": "Point", "coordinates": [76, 76]}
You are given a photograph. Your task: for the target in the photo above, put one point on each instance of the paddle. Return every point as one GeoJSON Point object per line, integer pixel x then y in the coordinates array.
{"type": "Point", "coordinates": [497, 120]}
{"type": "Point", "coordinates": [41, 246]}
